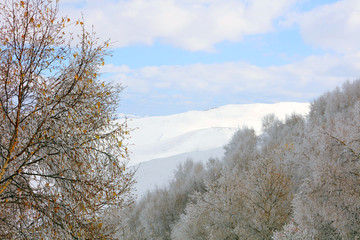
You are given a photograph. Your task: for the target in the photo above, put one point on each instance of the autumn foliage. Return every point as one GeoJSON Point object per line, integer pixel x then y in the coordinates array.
{"type": "Point", "coordinates": [62, 158]}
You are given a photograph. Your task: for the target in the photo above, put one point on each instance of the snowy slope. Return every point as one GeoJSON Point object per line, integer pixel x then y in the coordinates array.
{"type": "Point", "coordinates": [193, 141]}
{"type": "Point", "coordinates": [165, 136]}
{"type": "Point", "coordinates": [159, 172]}
{"type": "Point", "coordinates": [161, 143]}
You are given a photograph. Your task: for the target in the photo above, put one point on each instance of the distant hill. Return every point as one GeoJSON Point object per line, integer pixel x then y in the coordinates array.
{"type": "Point", "coordinates": [161, 143]}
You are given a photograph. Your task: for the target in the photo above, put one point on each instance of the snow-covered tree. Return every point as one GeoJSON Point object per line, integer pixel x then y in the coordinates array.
{"type": "Point", "coordinates": [267, 198]}
{"type": "Point", "coordinates": [287, 138]}
{"type": "Point", "coordinates": [154, 215]}
{"type": "Point", "coordinates": [291, 231]}
{"type": "Point", "coordinates": [251, 198]}
{"type": "Point", "coordinates": [241, 149]}
{"type": "Point", "coordinates": [329, 204]}
{"type": "Point", "coordinates": [298, 180]}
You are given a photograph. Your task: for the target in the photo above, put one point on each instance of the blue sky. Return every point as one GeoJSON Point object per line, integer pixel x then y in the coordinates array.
{"type": "Point", "coordinates": [180, 55]}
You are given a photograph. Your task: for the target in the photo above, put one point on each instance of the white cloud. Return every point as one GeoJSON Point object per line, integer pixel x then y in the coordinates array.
{"type": "Point", "coordinates": [191, 24]}
{"type": "Point", "coordinates": [299, 81]}
{"type": "Point", "coordinates": [333, 26]}
{"type": "Point", "coordinates": [111, 68]}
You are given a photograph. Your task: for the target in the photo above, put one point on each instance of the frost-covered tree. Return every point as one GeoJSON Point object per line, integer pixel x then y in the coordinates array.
{"type": "Point", "coordinates": [334, 102]}
{"type": "Point", "coordinates": [251, 198]}
{"type": "Point", "coordinates": [298, 180]}
{"type": "Point", "coordinates": [267, 198]}
{"type": "Point", "coordinates": [62, 158]}
{"type": "Point", "coordinates": [287, 138]}
{"type": "Point", "coordinates": [329, 204]}
{"type": "Point", "coordinates": [326, 205]}
{"type": "Point", "coordinates": [291, 231]}
{"type": "Point", "coordinates": [241, 149]}
{"type": "Point", "coordinates": [154, 215]}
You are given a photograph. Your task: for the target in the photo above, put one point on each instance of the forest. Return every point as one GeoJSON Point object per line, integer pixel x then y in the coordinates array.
{"type": "Point", "coordinates": [64, 159]}
{"type": "Point", "coordinates": [299, 179]}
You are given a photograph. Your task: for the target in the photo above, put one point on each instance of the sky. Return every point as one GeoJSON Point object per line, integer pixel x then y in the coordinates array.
{"type": "Point", "coordinates": [174, 56]}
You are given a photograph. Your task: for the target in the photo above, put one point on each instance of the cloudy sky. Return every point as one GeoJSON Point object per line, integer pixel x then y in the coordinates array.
{"type": "Point", "coordinates": [180, 55]}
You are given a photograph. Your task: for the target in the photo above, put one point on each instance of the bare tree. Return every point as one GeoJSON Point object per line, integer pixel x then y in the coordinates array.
{"type": "Point", "coordinates": [62, 158]}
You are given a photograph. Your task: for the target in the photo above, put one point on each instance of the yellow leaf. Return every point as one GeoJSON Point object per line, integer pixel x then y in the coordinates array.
{"type": "Point", "coordinates": [103, 85]}
{"type": "Point", "coordinates": [97, 136]}
{"type": "Point", "coordinates": [39, 25]}
{"type": "Point", "coordinates": [98, 104]}
{"type": "Point", "coordinates": [100, 225]}
{"type": "Point", "coordinates": [68, 19]}
{"type": "Point", "coordinates": [76, 77]}
{"type": "Point", "coordinates": [103, 63]}
{"type": "Point", "coordinates": [94, 74]}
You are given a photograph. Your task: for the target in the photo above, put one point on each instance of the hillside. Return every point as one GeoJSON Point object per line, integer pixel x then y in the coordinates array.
{"type": "Point", "coordinates": [166, 136]}
{"type": "Point", "coordinates": [159, 144]}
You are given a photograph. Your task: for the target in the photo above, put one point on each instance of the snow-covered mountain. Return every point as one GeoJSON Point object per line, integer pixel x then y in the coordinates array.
{"type": "Point", "coordinates": [159, 172]}
{"type": "Point", "coordinates": [161, 143]}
